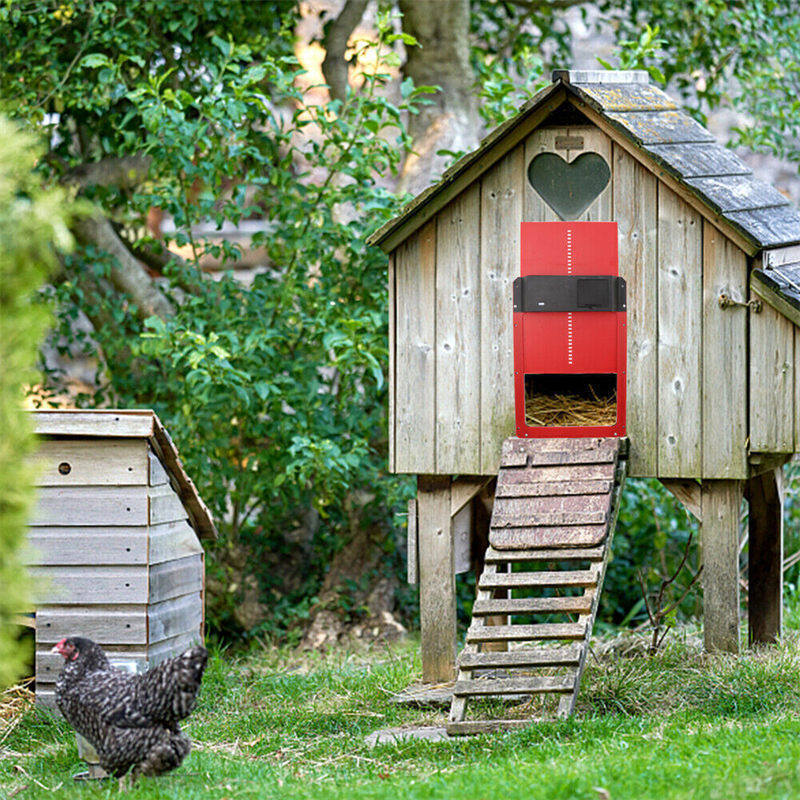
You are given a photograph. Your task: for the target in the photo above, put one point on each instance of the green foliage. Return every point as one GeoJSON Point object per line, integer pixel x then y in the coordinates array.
{"type": "Point", "coordinates": [32, 222]}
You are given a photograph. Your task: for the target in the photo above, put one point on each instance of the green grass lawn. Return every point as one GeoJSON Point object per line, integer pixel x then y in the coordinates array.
{"type": "Point", "coordinates": [681, 725]}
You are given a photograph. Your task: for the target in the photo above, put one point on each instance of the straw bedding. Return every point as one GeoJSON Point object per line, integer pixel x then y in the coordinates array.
{"type": "Point", "coordinates": [569, 409]}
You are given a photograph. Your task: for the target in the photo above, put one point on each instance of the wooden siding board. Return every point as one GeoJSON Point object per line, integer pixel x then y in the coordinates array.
{"type": "Point", "coordinates": [458, 324]}
{"type": "Point", "coordinates": [595, 141]}
{"type": "Point", "coordinates": [636, 212]}
{"type": "Point", "coordinates": [106, 624]}
{"type": "Point", "coordinates": [797, 390]}
{"type": "Point", "coordinates": [772, 287]}
{"type": "Point", "coordinates": [164, 505]}
{"type": "Point", "coordinates": [91, 462]}
{"type": "Point", "coordinates": [81, 545]}
{"type": "Point", "coordinates": [772, 382]}
{"type": "Point", "coordinates": [176, 577]}
{"type": "Point", "coordinates": [158, 475]}
{"type": "Point", "coordinates": [502, 191]}
{"type": "Point", "coordinates": [89, 506]}
{"type": "Point", "coordinates": [724, 358]}
{"type": "Point", "coordinates": [172, 540]}
{"type": "Point", "coordinates": [680, 254]}
{"type": "Point", "coordinates": [415, 427]}
{"type": "Point", "coordinates": [170, 618]}
{"type": "Point", "coordinates": [542, 140]}
{"type": "Point", "coordinates": [392, 297]}
{"type": "Point", "coordinates": [78, 585]}
{"type": "Point", "coordinates": [77, 422]}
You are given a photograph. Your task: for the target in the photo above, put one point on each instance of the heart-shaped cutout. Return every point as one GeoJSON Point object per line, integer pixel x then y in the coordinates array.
{"type": "Point", "coordinates": [569, 188]}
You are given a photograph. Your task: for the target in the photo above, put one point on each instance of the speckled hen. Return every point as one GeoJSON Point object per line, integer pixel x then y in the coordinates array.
{"type": "Point", "coordinates": [131, 720]}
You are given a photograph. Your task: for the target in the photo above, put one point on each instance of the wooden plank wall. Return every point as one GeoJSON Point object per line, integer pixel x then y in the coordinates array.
{"type": "Point", "coordinates": [688, 380]}
{"type": "Point", "coordinates": [111, 553]}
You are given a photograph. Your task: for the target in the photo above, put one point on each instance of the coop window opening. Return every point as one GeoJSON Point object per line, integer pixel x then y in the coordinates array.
{"type": "Point", "coordinates": [578, 400]}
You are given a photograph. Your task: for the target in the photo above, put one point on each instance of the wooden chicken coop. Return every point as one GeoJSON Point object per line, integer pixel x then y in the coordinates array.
{"type": "Point", "coordinates": [709, 256]}
{"type": "Point", "coordinates": [114, 541]}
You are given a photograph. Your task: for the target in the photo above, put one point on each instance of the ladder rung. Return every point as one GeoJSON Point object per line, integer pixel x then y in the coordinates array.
{"type": "Point", "coordinates": [553, 488]}
{"type": "Point", "coordinates": [521, 633]}
{"type": "Point", "coordinates": [551, 554]}
{"type": "Point", "coordinates": [524, 657]}
{"type": "Point", "coordinates": [532, 605]}
{"type": "Point", "coordinates": [547, 537]}
{"type": "Point", "coordinates": [471, 727]}
{"type": "Point", "coordinates": [576, 577]}
{"type": "Point", "coordinates": [515, 685]}
{"type": "Point", "coordinates": [502, 518]}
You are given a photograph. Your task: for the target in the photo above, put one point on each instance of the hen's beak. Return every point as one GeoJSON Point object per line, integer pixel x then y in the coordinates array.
{"type": "Point", "coordinates": [59, 648]}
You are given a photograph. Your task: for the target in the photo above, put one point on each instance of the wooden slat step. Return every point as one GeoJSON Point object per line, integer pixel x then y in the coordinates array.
{"type": "Point", "coordinates": [538, 452]}
{"type": "Point", "coordinates": [545, 554]}
{"type": "Point", "coordinates": [529, 518]}
{"type": "Point", "coordinates": [554, 488]}
{"type": "Point", "coordinates": [556, 473]}
{"type": "Point", "coordinates": [525, 685]}
{"type": "Point", "coordinates": [532, 605]}
{"type": "Point", "coordinates": [524, 657]}
{"type": "Point", "coordinates": [574, 577]}
{"type": "Point", "coordinates": [521, 633]}
{"type": "Point", "coordinates": [472, 727]}
{"type": "Point", "coordinates": [545, 537]}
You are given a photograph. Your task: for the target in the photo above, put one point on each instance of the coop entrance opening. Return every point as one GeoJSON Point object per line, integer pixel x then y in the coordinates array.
{"type": "Point", "coordinates": [570, 400]}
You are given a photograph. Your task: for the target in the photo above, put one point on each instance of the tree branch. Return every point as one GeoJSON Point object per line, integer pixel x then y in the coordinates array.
{"type": "Point", "coordinates": [334, 67]}
{"type": "Point", "coordinates": [126, 274]}
{"type": "Point", "coordinates": [124, 172]}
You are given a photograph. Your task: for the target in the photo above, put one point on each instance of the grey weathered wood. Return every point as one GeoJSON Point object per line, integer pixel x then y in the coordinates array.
{"type": "Point", "coordinates": [779, 256]}
{"type": "Point", "coordinates": [514, 686]}
{"type": "Point", "coordinates": [557, 452]}
{"type": "Point", "coordinates": [82, 545]}
{"type": "Point", "coordinates": [458, 336]}
{"type": "Point", "coordinates": [91, 462]}
{"type": "Point", "coordinates": [177, 577]}
{"type": "Point", "coordinates": [771, 382]}
{"type": "Point", "coordinates": [699, 160]}
{"type": "Point", "coordinates": [553, 488]}
{"type": "Point", "coordinates": [106, 624]}
{"type": "Point", "coordinates": [555, 473]}
{"type": "Point", "coordinates": [532, 554]}
{"type": "Point", "coordinates": [523, 657]}
{"type": "Point", "coordinates": [768, 226]}
{"type": "Point", "coordinates": [532, 605]}
{"type": "Point", "coordinates": [630, 78]}
{"type": "Point", "coordinates": [89, 585]}
{"type": "Point", "coordinates": [721, 501]}
{"type": "Point", "coordinates": [635, 210]}
{"type": "Point", "coordinates": [172, 540]}
{"type": "Point", "coordinates": [391, 379]}
{"type": "Point", "coordinates": [502, 192]}
{"type": "Point", "coordinates": [542, 140]}
{"type": "Point", "coordinates": [547, 536]}
{"type": "Point", "coordinates": [111, 423]}
{"type": "Point", "coordinates": [437, 579]}
{"type": "Point", "coordinates": [522, 633]}
{"type": "Point", "coordinates": [660, 127]}
{"type": "Point", "coordinates": [797, 390]}
{"type": "Point", "coordinates": [641, 97]}
{"type": "Point", "coordinates": [415, 353]}
{"type": "Point", "coordinates": [463, 489]}
{"type": "Point", "coordinates": [412, 543]}
{"type": "Point", "coordinates": [726, 193]}
{"type": "Point", "coordinates": [595, 141]}
{"type": "Point", "coordinates": [578, 577]}
{"type": "Point", "coordinates": [165, 505]}
{"type": "Point", "coordinates": [462, 524]}
{"type": "Point", "coordinates": [474, 727]}
{"type": "Point", "coordinates": [97, 505]}
{"type": "Point", "coordinates": [766, 462]}
{"type": "Point", "coordinates": [687, 492]}
{"type": "Point", "coordinates": [158, 475]}
{"type": "Point", "coordinates": [765, 560]}
{"type": "Point", "coordinates": [523, 517]}
{"type": "Point", "coordinates": [768, 286]}
{"type": "Point", "coordinates": [173, 617]}
{"type": "Point", "coordinates": [168, 648]}
{"type": "Point", "coordinates": [724, 358]}
{"type": "Point", "coordinates": [680, 337]}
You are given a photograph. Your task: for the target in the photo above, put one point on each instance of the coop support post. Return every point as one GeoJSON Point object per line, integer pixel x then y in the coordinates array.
{"type": "Point", "coordinates": [437, 588]}
{"type": "Point", "coordinates": [765, 572]}
{"type": "Point", "coordinates": [721, 503]}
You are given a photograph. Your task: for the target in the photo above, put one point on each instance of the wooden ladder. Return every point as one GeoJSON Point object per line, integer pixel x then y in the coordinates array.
{"type": "Point", "coordinates": [554, 513]}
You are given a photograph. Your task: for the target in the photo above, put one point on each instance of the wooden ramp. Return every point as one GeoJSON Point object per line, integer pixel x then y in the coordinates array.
{"type": "Point", "coordinates": [554, 513]}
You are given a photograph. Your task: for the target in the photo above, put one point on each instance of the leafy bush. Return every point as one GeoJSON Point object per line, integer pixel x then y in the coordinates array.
{"type": "Point", "coordinates": [31, 222]}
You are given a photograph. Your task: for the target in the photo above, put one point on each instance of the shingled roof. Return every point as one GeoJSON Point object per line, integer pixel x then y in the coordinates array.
{"type": "Point", "coordinates": [667, 139]}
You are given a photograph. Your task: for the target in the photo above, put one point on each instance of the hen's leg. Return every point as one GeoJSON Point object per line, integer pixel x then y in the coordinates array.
{"type": "Point", "coordinates": [165, 755]}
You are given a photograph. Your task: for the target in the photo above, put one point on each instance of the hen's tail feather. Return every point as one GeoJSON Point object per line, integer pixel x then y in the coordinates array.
{"type": "Point", "coordinates": [164, 756]}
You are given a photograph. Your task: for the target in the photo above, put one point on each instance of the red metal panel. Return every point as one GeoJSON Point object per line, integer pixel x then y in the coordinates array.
{"type": "Point", "coordinates": [569, 343]}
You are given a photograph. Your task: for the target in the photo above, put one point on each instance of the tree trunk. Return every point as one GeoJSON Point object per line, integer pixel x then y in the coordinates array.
{"type": "Point", "coordinates": [451, 121]}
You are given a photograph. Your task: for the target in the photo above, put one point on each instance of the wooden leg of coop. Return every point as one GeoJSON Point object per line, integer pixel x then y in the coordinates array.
{"type": "Point", "coordinates": [765, 573]}
{"type": "Point", "coordinates": [437, 588]}
{"type": "Point", "coordinates": [721, 503]}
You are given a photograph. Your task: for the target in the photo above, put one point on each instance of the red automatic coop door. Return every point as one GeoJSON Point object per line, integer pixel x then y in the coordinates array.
{"type": "Point", "coordinates": [569, 331]}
